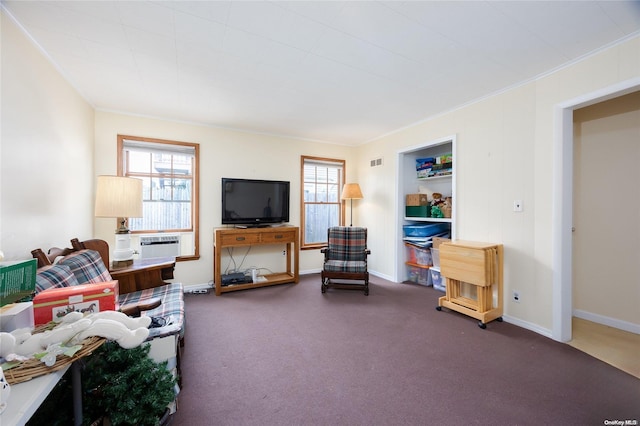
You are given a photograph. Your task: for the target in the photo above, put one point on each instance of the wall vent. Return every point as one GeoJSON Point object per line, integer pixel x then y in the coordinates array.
{"type": "Point", "coordinates": [376, 162]}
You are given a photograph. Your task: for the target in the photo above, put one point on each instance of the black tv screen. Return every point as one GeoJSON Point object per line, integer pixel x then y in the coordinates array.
{"type": "Point", "coordinates": [254, 202]}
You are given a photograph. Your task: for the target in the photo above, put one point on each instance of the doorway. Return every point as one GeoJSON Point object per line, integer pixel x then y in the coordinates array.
{"type": "Point", "coordinates": [606, 231]}
{"type": "Point", "coordinates": [563, 203]}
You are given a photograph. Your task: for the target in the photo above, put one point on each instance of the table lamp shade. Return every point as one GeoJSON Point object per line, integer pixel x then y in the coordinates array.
{"type": "Point", "coordinates": [118, 196]}
{"type": "Point", "coordinates": [351, 191]}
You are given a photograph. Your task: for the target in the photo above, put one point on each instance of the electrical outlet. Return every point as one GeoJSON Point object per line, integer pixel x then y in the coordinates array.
{"type": "Point", "coordinates": [284, 252]}
{"type": "Point", "coordinates": [516, 296]}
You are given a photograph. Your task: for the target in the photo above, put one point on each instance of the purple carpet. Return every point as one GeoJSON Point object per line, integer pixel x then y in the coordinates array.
{"type": "Point", "coordinates": [289, 355]}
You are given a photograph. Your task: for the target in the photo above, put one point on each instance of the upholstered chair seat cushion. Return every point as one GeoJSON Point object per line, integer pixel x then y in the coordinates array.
{"type": "Point", "coordinates": [353, 266]}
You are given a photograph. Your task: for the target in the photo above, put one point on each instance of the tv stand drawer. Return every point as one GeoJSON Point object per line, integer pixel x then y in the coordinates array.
{"type": "Point", "coordinates": [239, 238]}
{"type": "Point", "coordinates": [278, 237]}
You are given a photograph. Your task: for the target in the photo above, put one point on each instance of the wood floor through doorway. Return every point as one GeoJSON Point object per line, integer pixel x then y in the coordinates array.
{"type": "Point", "coordinates": [615, 347]}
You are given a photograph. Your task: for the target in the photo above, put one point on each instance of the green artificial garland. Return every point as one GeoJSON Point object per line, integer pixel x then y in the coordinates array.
{"type": "Point", "coordinates": [127, 386]}
{"type": "Point", "coordinates": [123, 385]}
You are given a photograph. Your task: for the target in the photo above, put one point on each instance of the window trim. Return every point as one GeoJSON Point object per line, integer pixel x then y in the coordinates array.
{"type": "Point", "coordinates": [196, 183]}
{"type": "Point", "coordinates": [309, 158]}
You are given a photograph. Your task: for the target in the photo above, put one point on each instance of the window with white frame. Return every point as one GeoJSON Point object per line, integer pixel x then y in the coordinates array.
{"type": "Point", "coordinates": [322, 181]}
{"type": "Point", "coordinates": [169, 174]}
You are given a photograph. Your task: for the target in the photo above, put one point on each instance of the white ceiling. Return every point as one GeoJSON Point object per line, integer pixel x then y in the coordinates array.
{"type": "Point", "coordinates": [344, 72]}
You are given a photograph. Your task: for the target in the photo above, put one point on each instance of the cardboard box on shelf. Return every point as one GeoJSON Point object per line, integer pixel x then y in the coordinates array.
{"type": "Point", "coordinates": [443, 159]}
{"type": "Point", "coordinates": [425, 163]}
{"type": "Point", "coordinates": [417, 211]}
{"type": "Point", "coordinates": [439, 240]}
{"type": "Point", "coordinates": [416, 200]}
{"type": "Point", "coordinates": [54, 303]}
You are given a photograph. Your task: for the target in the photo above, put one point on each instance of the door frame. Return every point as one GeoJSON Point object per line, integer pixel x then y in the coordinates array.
{"type": "Point", "coordinates": [562, 216]}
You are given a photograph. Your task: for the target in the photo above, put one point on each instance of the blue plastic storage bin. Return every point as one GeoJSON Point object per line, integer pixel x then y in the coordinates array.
{"type": "Point", "coordinates": [425, 230]}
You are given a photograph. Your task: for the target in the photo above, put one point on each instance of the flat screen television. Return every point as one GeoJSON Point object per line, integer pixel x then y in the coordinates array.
{"type": "Point", "coordinates": [254, 202]}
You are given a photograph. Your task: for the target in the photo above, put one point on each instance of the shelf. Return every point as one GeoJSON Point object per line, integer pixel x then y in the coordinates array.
{"type": "Point", "coordinates": [271, 279]}
{"type": "Point", "coordinates": [414, 178]}
{"type": "Point", "coordinates": [429, 219]}
{"type": "Point", "coordinates": [435, 177]}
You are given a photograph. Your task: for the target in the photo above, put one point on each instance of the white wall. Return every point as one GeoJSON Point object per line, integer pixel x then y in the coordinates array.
{"type": "Point", "coordinates": [223, 153]}
{"type": "Point", "coordinates": [46, 152]}
{"type": "Point", "coordinates": [505, 147]}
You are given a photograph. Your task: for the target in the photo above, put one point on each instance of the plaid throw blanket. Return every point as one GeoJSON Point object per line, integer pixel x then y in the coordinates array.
{"type": "Point", "coordinates": [54, 276]}
{"type": "Point", "coordinates": [171, 309]}
{"type": "Point", "coordinates": [86, 266]}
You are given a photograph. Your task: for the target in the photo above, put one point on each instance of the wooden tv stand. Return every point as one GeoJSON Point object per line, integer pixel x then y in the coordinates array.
{"type": "Point", "coordinates": [239, 237]}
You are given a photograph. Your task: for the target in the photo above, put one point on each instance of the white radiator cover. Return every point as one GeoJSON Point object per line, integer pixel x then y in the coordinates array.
{"type": "Point", "coordinates": [159, 246]}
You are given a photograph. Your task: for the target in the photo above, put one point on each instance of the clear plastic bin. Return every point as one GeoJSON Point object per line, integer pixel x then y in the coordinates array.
{"type": "Point", "coordinates": [418, 275]}
{"type": "Point", "coordinates": [437, 280]}
{"type": "Point", "coordinates": [435, 257]}
{"type": "Point", "coordinates": [421, 256]}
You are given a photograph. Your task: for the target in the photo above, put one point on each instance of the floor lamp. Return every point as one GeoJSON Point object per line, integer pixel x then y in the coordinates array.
{"type": "Point", "coordinates": [351, 191]}
{"type": "Point", "coordinates": [119, 197]}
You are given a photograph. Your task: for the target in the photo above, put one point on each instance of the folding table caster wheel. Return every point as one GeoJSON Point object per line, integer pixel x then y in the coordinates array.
{"type": "Point", "coordinates": [438, 308]}
{"type": "Point", "coordinates": [482, 325]}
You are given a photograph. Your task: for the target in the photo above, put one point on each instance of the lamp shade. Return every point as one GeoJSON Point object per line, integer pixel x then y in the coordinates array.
{"type": "Point", "coordinates": [118, 196]}
{"type": "Point", "coordinates": [351, 191]}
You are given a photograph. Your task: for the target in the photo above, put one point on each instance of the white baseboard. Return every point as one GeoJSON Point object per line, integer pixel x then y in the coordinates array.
{"type": "Point", "coordinates": [374, 273]}
{"type": "Point", "coordinates": [528, 325]}
{"type": "Point", "coordinates": [604, 320]}
{"type": "Point", "coordinates": [383, 276]}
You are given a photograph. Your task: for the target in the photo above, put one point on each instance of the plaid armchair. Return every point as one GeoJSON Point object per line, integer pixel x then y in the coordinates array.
{"type": "Point", "coordinates": [345, 258]}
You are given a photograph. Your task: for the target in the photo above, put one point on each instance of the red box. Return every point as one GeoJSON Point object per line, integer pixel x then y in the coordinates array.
{"type": "Point", "coordinates": [54, 303]}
